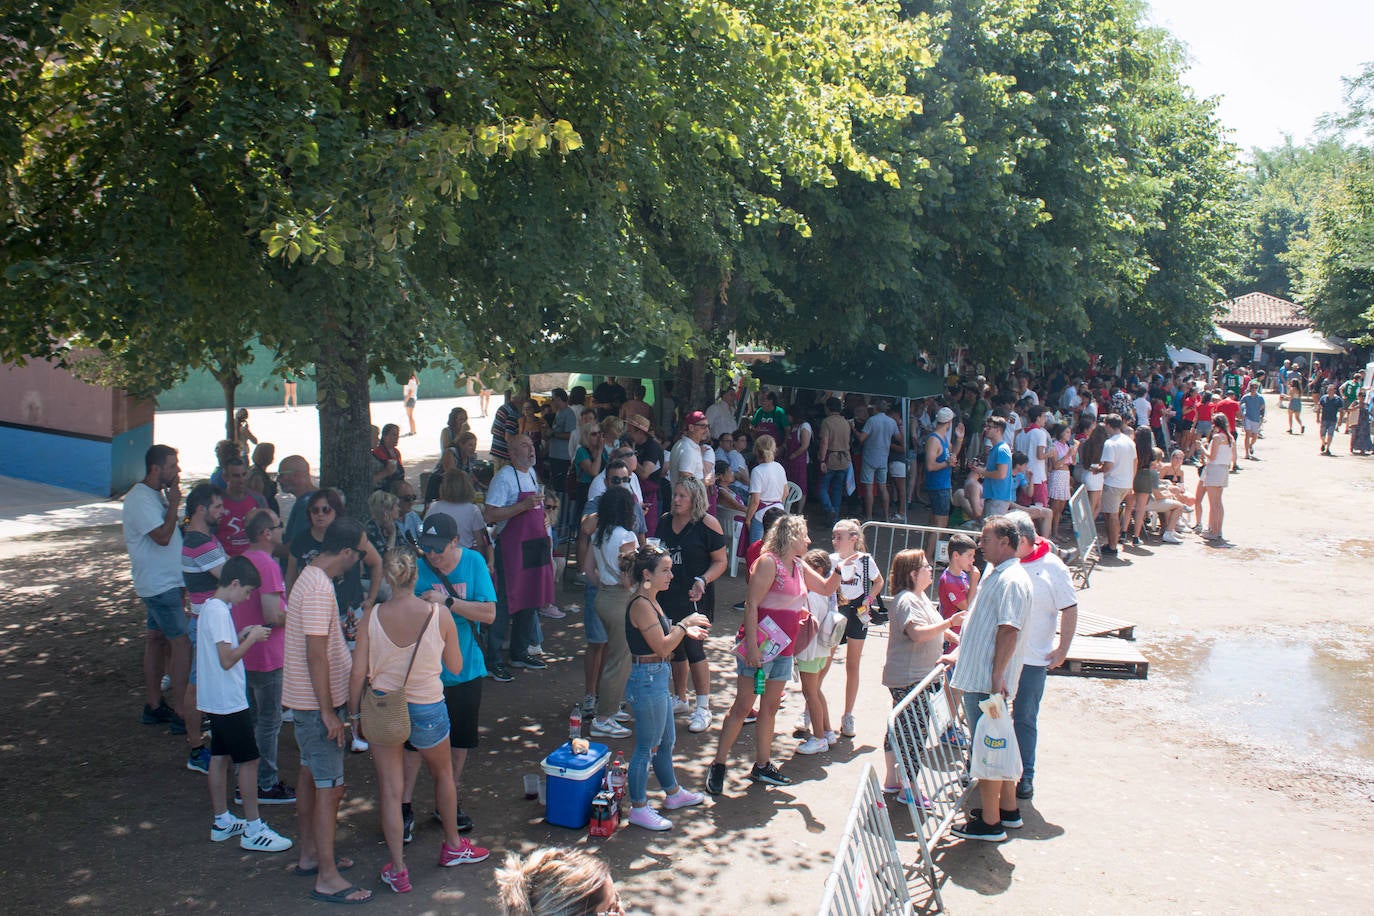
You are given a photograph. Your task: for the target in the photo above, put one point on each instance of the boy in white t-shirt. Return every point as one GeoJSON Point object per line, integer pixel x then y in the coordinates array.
{"type": "Point", "coordinates": [223, 696]}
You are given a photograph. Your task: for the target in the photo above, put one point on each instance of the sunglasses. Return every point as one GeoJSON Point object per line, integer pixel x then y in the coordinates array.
{"type": "Point", "coordinates": [617, 481]}
{"type": "Point", "coordinates": [321, 510]}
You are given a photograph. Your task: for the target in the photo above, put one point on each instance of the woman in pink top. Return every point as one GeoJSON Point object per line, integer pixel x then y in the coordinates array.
{"type": "Point", "coordinates": [778, 585]}
{"type": "Point", "coordinates": [391, 634]}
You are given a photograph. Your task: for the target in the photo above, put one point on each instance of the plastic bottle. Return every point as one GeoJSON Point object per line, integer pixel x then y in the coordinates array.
{"type": "Point", "coordinates": [760, 679]}
{"type": "Point", "coordinates": [575, 722]}
{"type": "Point", "coordinates": [617, 778]}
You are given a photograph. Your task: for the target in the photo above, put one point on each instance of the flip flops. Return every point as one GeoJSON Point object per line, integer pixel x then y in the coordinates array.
{"type": "Point", "coordinates": [315, 870]}
{"type": "Point", "coordinates": [342, 896]}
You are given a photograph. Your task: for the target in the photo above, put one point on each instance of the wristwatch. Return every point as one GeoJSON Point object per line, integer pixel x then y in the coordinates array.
{"type": "Point", "coordinates": [448, 602]}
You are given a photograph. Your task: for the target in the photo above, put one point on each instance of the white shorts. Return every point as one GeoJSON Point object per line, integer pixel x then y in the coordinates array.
{"type": "Point", "coordinates": [1093, 482]}
{"type": "Point", "coordinates": [897, 469]}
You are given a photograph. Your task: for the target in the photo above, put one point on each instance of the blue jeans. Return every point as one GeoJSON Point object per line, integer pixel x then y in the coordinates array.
{"type": "Point", "coordinates": [648, 693]}
{"type": "Point", "coordinates": [832, 489]}
{"type": "Point", "coordinates": [756, 528]}
{"type": "Point", "coordinates": [1025, 710]}
{"type": "Point", "coordinates": [264, 710]}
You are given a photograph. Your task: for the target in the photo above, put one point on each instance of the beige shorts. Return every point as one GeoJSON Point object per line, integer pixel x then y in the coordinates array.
{"type": "Point", "coordinates": [1112, 498]}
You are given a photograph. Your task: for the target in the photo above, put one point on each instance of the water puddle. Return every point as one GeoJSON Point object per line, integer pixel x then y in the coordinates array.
{"type": "Point", "coordinates": [1297, 696]}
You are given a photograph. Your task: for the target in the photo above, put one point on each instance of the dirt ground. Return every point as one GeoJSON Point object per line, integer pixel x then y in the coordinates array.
{"type": "Point", "coordinates": [1238, 777]}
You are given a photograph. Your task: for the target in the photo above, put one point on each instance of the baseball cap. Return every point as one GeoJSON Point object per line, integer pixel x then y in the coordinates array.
{"type": "Point", "coordinates": [944, 415]}
{"type": "Point", "coordinates": [694, 418]}
{"type": "Point", "coordinates": [438, 530]}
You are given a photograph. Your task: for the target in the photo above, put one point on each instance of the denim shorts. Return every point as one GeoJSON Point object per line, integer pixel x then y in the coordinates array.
{"type": "Point", "coordinates": [779, 669]}
{"type": "Point", "coordinates": [592, 627]}
{"type": "Point", "coordinates": [428, 724]}
{"type": "Point", "coordinates": [869, 474]}
{"type": "Point", "coordinates": [939, 502]}
{"type": "Point", "coordinates": [165, 613]}
{"type": "Point", "coordinates": [324, 758]}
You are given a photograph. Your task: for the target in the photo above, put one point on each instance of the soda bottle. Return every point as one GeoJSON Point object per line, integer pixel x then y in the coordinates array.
{"type": "Point", "coordinates": [760, 678]}
{"type": "Point", "coordinates": [575, 722]}
{"type": "Point", "coordinates": [618, 777]}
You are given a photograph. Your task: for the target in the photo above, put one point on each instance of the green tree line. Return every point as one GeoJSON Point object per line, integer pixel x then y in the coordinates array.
{"type": "Point", "coordinates": [371, 187]}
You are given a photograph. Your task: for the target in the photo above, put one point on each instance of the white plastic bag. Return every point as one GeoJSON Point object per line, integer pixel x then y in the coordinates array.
{"type": "Point", "coordinates": [995, 753]}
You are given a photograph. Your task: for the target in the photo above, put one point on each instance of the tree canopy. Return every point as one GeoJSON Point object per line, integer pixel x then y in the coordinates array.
{"type": "Point", "coordinates": [369, 187]}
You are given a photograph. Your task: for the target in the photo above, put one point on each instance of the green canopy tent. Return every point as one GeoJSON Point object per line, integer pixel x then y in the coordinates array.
{"type": "Point", "coordinates": [877, 373]}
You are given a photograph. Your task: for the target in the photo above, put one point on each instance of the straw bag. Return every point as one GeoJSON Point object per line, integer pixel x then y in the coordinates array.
{"type": "Point", "coordinates": [386, 715]}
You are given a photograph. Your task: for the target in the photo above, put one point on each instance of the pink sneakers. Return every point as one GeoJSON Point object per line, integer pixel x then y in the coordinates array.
{"type": "Point", "coordinates": [463, 854]}
{"type": "Point", "coordinates": [398, 881]}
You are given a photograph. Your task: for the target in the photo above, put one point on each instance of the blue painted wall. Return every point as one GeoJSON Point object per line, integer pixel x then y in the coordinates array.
{"type": "Point", "coordinates": [102, 468]}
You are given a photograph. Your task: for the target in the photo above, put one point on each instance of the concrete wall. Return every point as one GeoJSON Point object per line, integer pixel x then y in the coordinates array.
{"type": "Point", "coordinates": [58, 430]}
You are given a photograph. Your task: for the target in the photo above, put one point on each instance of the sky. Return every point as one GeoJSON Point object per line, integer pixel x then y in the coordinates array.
{"type": "Point", "coordinates": [1276, 65]}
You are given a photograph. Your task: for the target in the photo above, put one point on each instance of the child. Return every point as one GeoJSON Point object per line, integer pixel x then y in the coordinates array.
{"type": "Point", "coordinates": [242, 434]}
{"type": "Point", "coordinates": [813, 661]}
{"type": "Point", "coordinates": [958, 585]}
{"type": "Point", "coordinates": [1025, 494]}
{"type": "Point", "coordinates": [729, 492]}
{"type": "Point", "coordinates": [222, 695]}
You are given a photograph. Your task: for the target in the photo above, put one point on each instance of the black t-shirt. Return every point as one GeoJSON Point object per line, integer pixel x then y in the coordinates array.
{"type": "Point", "coordinates": [650, 451]}
{"type": "Point", "coordinates": [690, 550]}
{"type": "Point", "coordinates": [348, 588]}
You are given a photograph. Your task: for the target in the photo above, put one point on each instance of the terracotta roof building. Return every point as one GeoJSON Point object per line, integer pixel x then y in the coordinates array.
{"type": "Point", "coordinates": [1260, 315]}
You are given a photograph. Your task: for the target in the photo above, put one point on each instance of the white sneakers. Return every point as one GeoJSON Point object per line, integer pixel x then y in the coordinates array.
{"type": "Point", "coordinates": [609, 728]}
{"type": "Point", "coordinates": [265, 840]}
{"type": "Point", "coordinates": [1171, 538]}
{"type": "Point", "coordinates": [681, 707]}
{"type": "Point", "coordinates": [649, 819]}
{"type": "Point", "coordinates": [813, 745]}
{"type": "Point", "coordinates": [701, 720]}
{"type": "Point", "coordinates": [847, 725]}
{"type": "Point", "coordinates": [683, 799]}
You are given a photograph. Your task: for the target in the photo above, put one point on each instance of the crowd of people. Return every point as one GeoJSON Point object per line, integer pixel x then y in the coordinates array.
{"type": "Point", "coordinates": [254, 619]}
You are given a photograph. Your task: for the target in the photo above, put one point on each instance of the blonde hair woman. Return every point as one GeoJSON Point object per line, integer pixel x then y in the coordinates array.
{"type": "Point", "coordinates": [407, 642]}
{"type": "Point", "coordinates": [777, 591]}
{"type": "Point", "coordinates": [557, 882]}
{"type": "Point", "coordinates": [767, 486]}
{"type": "Point", "coordinates": [860, 583]}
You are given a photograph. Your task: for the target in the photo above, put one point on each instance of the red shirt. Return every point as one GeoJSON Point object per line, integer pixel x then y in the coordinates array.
{"type": "Point", "coordinates": [1190, 407]}
{"type": "Point", "coordinates": [1229, 407]}
{"type": "Point", "coordinates": [1204, 411]}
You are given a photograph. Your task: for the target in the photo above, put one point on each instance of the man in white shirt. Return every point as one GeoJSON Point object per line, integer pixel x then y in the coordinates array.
{"type": "Point", "coordinates": [1035, 443]}
{"type": "Point", "coordinates": [1141, 406]}
{"type": "Point", "coordinates": [989, 661]}
{"type": "Point", "coordinates": [721, 414]}
{"type": "Point", "coordinates": [1118, 470]}
{"type": "Point", "coordinates": [685, 460]}
{"type": "Point", "coordinates": [150, 515]}
{"type": "Point", "coordinates": [1052, 595]}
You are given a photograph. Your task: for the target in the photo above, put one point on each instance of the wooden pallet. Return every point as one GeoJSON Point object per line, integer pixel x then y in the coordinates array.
{"type": "Point", "coordinates": [1090, 624]}
{"type": "Point", "coordinates": [1104, 656]}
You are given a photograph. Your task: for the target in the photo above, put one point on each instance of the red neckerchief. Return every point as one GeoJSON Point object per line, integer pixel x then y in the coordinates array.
{"type": "Point", "coordinates": [1042, 547]}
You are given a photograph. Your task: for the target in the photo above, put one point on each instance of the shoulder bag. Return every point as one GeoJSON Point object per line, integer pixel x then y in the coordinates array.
{"type": "Point", "coordinates": [386, 715]}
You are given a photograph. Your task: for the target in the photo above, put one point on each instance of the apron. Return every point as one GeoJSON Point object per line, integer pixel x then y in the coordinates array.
{"type": "Point", "coordinates": [795, 468]}
{"type": "Point", "coordinates": [526, 560]}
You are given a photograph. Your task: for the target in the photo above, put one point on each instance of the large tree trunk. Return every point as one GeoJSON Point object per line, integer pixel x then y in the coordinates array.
{"type": "Point", "coordinates": [345, 417]}
{"type": "Point", "coordinates": [229, 381]}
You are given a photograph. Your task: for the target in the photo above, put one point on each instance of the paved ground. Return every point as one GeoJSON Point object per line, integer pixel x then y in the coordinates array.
{"type": "Point", "coordinates": [1239, 777]}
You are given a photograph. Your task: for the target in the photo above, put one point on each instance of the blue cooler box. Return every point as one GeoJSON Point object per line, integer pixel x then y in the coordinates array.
{"type": "Point", "coordinates": [574, 780]}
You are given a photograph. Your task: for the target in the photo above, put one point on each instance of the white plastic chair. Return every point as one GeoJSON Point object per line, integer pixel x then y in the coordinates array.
{"type": "Point", "coordinates": [732, 523]}
{"type": "Point", "coordinates": [792, 498]}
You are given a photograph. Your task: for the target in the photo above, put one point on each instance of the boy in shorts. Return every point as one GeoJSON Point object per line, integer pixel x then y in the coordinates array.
{"type": "Point", "coordinates": [223, 696]}
{"type": "Point", "coordinates": [958, 584]}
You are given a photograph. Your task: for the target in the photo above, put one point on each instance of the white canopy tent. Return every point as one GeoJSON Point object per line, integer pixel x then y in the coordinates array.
{"type": "Point", "coordinates": [1231, 338]}
{"type": "Point", "coordinates": [1307, 341]}
{"type": "Point", "coordinates": [1180, 356]}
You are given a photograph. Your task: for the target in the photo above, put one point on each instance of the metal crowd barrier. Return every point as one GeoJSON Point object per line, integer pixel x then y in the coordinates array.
{"type": "Point", "coordinates": [929, 737]}
{"type": "Point", "coordinates": [867, 877]}
{"type": "Point", "coordinates": [885, 540]}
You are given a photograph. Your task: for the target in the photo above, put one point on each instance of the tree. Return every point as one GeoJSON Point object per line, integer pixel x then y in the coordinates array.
{"type": "Point", "coordinates": [372, 186]}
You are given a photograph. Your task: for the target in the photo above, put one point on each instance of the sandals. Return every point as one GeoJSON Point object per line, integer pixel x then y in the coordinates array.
{"type": "Point", "coordinates": [343, 864]}
{"type": "Point", "coordinates": [343, 896]}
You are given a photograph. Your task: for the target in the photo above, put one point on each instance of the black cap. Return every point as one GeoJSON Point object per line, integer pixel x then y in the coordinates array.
{"type": "Point", "coordinates": [438, 530]}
